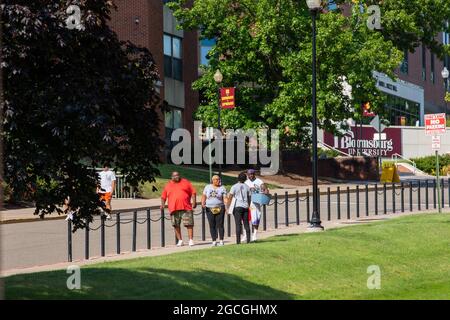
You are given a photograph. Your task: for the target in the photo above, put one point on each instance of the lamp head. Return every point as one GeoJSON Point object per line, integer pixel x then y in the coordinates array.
{"type": "Point", "coordinates": [218, 77]}
{"type": "Point", "coordinates": [314, 4]}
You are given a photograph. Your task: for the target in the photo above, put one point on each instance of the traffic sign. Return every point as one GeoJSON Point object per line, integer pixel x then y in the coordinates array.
{"type": "Point", "coordinates": [435, 124]}
{"type": "Point", "coordinates": [436, 142]}
{"type": "Point", "coordinates": [377, 125]}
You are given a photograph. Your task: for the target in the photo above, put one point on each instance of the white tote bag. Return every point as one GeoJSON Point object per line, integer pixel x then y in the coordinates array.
{"type": "Point", "coordinates": [232, 205]}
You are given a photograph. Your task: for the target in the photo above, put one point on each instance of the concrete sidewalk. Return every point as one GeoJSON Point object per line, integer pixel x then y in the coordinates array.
{"type": "Point", "coordinates": [27, 214]}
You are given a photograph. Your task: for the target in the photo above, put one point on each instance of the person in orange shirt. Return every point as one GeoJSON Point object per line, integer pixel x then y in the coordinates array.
{"type": "Point", "coordinates": [182, 198]}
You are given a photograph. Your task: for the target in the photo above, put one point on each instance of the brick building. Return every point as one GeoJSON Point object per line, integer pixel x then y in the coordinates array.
{"type": "Point", "coordinates": [150, 23]}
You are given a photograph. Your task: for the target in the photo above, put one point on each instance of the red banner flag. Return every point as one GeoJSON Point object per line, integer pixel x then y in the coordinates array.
{"type": "Point", "coordinates": [227, 98]}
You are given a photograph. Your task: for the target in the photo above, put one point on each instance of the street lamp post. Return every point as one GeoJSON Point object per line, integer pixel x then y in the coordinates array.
{"type": "Point", "coordinates": [314, 7]}
{"type": "Point", "coordinates": [218, 77]}
{"type": "Point", "coordinates": [445, 75]}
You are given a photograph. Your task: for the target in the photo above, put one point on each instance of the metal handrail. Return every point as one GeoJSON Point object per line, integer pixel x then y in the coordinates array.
{"type": "Point", "coordinates": [332, 148]}
{"type": "Point", "coordinates": [395, 157]}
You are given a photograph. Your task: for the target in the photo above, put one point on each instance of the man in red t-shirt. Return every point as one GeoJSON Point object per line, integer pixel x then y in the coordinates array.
{"type": "Point", "coordinates": [182, 198]}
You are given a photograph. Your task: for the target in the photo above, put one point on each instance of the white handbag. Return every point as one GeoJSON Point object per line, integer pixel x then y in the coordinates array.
{"type": "Point", "coordinates": [232, 205]}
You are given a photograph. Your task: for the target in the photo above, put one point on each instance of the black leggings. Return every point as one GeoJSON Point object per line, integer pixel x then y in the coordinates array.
{"type": "Point", "coordinates": [241, 215]}
{"type": "Point", "coordinates": [216, 223]}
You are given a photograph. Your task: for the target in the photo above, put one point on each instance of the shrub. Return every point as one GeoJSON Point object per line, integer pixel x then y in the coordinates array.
{"type": "Point", "coordinates": [445, 171]}
{"type": "Point", "coordinates": [428, 164]}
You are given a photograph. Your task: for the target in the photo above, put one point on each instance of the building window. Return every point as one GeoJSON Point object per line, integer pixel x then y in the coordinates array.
{"type": "Point", "coordinates": [173, 119]}
{"type": "Point", "coordinates": [173, 63]}
{"type": "Point", "coordinates": [404, 65]}
{"type": "Point", "coordinates": [424, 63]}
{"type": "Point", "coordinates": [402, 111]}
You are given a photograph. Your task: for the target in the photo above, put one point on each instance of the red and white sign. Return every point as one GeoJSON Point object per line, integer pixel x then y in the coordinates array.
{"type": "Point", "coordinates": [227, 98]}
{"type": "Point", "coordinates": [435, 124]}
{"type": "Point", "coordinates": [436, 142]}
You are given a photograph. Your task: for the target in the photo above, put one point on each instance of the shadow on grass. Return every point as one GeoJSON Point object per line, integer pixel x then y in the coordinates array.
{"type": "Point", "coordinates": [139, 283]}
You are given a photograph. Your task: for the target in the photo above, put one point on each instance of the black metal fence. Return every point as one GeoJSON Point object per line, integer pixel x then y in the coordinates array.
{"type": "Point", "coordinates": [358, 201]}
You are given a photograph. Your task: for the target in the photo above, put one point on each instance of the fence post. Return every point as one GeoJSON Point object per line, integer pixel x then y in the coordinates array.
{"type": "Point", "coordinates": [286, 209]}
{"type": "Point", "coordinates": [448, 188]}
{"type": "Point", "coordinates": [297, 208]}
{"type": "Point", "coordinates": [118, 232]}
{"type": "Point", "coordinates": [338, 195]}
{"type": "Point", "coordinates": [264, 217]}
{"type": "Point", "coordinates": [419, 188]}
{"type": "Point", "coordinates": [434, 194]}
{"type": "Point", "coordinates": [393, 197]}
{"type": "Point", "coordinates": [442, 193]}
{"type": "Point", "coordinates": [149, 230]}
{"type": "Point", "coordinates": [69, 240]}
{"type": "Point", "coordinates": [276, 211]}
{"type": "Point", "coordinates": [102, 235]}
{"type": "Point", "coordinates": [402, 197]}
{"type": "Point", "coordinates": [376, 199]}
{"type": "Point", "coordinates": [308, 209]}
{"type": "Point", "coordinates": [357, 201]}
{"type": "Point", "coordinates": [86, 242]}
{"type": "Point", "coordinates": [229, 225]}
{"type": "Point", "coordinates": [203, 224]}
{"type": "Point", "coordinates": [163, 230]}
{"type": "Point", "coordinates": [426, 196]}
{"type": "Point", "coordinates": [366, 191]}
{"type": "Point", "coordinates": [385, 200]}
{"type": "Point", "coordinates": [410, 197]}
{"type": "Point", "coordinates": [328, 204]}
{"type": "Point", "coordinates": [134, 230]}
{"type": "Point", "coordinates": [348, 203]}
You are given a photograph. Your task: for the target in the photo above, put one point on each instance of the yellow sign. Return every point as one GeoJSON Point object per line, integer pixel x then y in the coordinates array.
{"type": "Point", "coordinates": [390, 175]}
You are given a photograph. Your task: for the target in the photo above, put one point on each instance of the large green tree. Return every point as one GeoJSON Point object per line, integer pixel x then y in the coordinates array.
{"type": "Point", "coordinates": [264, 48]}
{"type": "Point", "coordinates": [74, 99]}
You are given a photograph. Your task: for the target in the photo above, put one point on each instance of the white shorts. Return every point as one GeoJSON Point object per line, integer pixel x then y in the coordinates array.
{"type": "Point", "coordinates": [255, 212]}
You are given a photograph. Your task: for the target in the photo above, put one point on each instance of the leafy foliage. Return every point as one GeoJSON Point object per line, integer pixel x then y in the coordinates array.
{"type": "Point", "coordinates": [263, 47]}
{"type": "Point", "coordinates": [428, 164]}
{"type": "Point", "coordinates": [74, 99]}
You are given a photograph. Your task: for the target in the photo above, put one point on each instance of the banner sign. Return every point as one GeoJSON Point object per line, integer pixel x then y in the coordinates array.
{"type": "Point", "coordinates": [366, 143]}
{"type": "Point", "coordinates": [435, 124]}
{"type": "Point", "coordinates": [227, 98]}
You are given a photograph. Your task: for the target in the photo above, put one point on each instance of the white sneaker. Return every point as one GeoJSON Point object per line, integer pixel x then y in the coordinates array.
{"type": "Point", "coordinates": [220, 243]}
{"type": "Point", "coordinates": [213, 244]}
{"type": "Point", "coordinates": [191, 243]}
{"type": "Point", "coordinates": [180, 243]}
{"type": "Point", "coordinates": [254, 237]}
{"type": "Point", "coordinates": [107, 216]}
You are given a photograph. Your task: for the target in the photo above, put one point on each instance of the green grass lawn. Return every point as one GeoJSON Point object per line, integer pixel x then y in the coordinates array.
{"type": "Point", "coordinates": [198, 178]}
{"type": "Point", "coordinates": [412, 252]}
